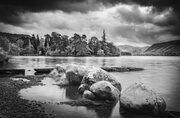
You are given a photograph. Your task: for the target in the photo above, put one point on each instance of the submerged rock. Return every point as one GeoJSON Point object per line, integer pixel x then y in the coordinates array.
{"type": "Point", "coordinates": [104, 90]}
{"type": "Point", "coordinates": [121, 69]}
{"type": "Point", "coordinates": [97, 74]}
{"type": "Point", "coordinates": [139, 99]}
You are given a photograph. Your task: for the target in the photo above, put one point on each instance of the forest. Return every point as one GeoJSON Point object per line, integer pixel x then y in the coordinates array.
{"type": "Point", "coordinates": [56, 44]}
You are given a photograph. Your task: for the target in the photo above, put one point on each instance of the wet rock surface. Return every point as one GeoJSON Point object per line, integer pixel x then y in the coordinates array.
{"type": "Point", "coordinates": [88, 95]}
{"type": "Point", "coordinates": [140, 99]}
{"type": "Point", "coordinates": [85, 77]}
{"type": "Point", "coordinates": [104, 90]}
{"type": "Point", "coordinates": [97, 74]}
{"type": "Point", "coordinates": [69, 74]}
{"type": "Point", "coordinates": [83, 87]}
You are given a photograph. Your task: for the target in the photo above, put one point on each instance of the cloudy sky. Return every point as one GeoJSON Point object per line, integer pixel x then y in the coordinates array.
{"type": "Point", "coordinates": [133, 22]}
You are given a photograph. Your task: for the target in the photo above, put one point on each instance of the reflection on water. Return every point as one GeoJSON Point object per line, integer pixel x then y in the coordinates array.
{"type": "Point", "coordinates": [161, 74]}
{"type": "Point", "coordinates": [52, 94]}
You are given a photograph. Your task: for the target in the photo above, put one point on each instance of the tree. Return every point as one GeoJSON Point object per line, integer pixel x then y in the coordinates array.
{"type": "Point", "coordinates": [27, 51]}
{"type": "Point", "coordinates": [113, 49]}
{"type": "Point", "coordinates": [104, 36]}
{"type": "Point", "coordinates": [105, 48]}
{"type": "Point", "coordinates": [25, 40]}
{"type": "Point", "coordinates": [84, 38]}
{"type": "Point", "coordinates": [82, 50]}
{"type": "Point", "coordinates": [100, 52]}
{"type": "Point", "coordinates": [34, 42]}
{"type": "Point", "coordinates": [14, 50]}
{"type": "Point", "coordinates": [37, 41]}
{"type": "Point", "coordinates": [4, 44]}
{"type": "Point", "coordinates": [47, 40]}
{"type": "Point", "coordinates": [3, 57]}
{"type": "Point", "coordinates": [20, 43]}
{"type": "Point", "coordinates": [94, 45]}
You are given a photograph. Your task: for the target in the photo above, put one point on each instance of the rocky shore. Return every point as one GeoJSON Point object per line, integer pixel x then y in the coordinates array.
{"type": "Point", "coordinates": [99, 91]}
{"type": "Point", "coordinates": [12, 106]}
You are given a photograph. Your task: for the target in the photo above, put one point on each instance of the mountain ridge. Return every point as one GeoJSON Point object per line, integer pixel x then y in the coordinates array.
{"type": "Point", "coordinates": [170, 48]}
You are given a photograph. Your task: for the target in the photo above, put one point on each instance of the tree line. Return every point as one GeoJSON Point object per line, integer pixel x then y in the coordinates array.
{"type": "Point", "coordinates": [56, 44]}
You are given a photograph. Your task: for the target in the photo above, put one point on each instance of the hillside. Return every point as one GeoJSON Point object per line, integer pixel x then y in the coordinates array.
{"type": "Point", "coordinates": [131, 49]}
{"type": "Point", "coordinates": [171, 48]}
{"type": "Point", "coordinates": [12, 37]}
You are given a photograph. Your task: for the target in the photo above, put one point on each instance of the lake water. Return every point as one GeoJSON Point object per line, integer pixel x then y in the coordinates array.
{"type": "Point", "coordinates": [162, 74]}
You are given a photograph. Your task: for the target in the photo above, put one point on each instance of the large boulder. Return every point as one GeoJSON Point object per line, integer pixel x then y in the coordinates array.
{"type": "Point", "coordinates": [58, 74]}
{"type": "Point", "coordinates": [68, 74]}
{"type": "Point", "coordinates": [75, 73]}
{"type": "Point", "coordinates": [104, 90]}
{"type": "Point", "coordinates": [140, 99]}
{"type": "Point", "coordinates": [97, 74]}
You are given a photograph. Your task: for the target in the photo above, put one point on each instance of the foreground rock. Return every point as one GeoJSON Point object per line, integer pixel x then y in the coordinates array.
{"type": "Point", "coordinates": [96, 74]}
{"type": "Point", "coordinates": [94, 83]}
{"type": "Point", "coordinates": [139, 99]}
{"type": "Point", "coordinates": [68, 74]}
{"type": "Point", "coordinates": [89, 95]}
{"type": "Point", "coordinates": [104, 90]}
{"type": "Point", "coordinates": [74, 74]}
{"type": "Point", "coordinates": [58, 74]}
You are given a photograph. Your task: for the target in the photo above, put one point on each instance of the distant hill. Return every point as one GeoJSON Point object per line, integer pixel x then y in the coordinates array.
{"type": "Point", "coordinates": [132, 49]}
{"type": "Point", "coordinates": [171, 48]}
{"type": "Point", "coordinates": [13, 37]}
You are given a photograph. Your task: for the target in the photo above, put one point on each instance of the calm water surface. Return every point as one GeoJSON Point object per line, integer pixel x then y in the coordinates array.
{"type": "Point", "coordinates": [162, 74]}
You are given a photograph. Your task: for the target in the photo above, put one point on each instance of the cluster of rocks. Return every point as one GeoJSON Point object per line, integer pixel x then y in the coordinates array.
{"type": "Point", "coordinates": [94, 83]}
{"type": "Point", "coordinates": [98, 85]}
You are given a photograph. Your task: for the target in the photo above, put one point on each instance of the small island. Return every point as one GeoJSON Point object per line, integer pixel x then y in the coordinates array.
{"type": "Point", "coordinates": [56, 44]}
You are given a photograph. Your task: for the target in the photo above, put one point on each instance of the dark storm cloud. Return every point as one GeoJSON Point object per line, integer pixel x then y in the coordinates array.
{"type": "Point", "coordinates": [9, 9]}
{"type": "Point", "coordinates": [126, 21]}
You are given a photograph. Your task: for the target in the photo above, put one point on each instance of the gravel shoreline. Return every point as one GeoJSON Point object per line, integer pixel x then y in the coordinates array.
{"type": "Point", "coordinates": [12, 106]}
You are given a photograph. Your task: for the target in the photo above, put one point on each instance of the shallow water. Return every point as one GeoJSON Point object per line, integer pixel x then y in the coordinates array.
{"type": "Point", "coordinates": [161, 73]}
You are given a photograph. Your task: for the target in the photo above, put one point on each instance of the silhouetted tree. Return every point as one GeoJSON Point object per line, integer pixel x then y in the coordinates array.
{"type": "Point", "coordinates": [37, 41]}
{"type": "Point", "coordinates": [104, 36]}
{"type": "Point", "coordinates": [47, 40]}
